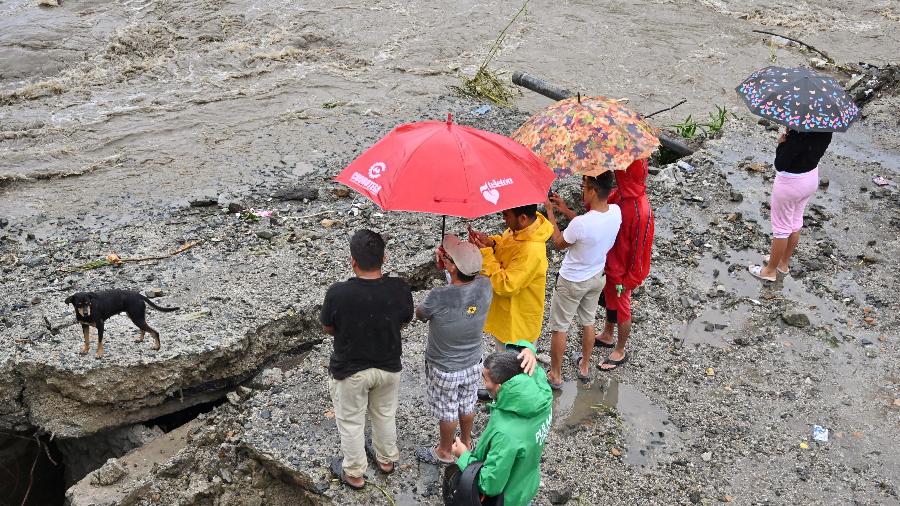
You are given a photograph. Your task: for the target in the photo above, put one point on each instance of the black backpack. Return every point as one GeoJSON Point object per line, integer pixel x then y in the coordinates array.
{"type": "Point", "coordinates": [460, 488]}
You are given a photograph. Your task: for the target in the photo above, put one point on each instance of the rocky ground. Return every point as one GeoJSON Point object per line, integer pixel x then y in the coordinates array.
{"type": "Point", "coordinates": [142, 147]}
{"type": "Point", "coordinates": [731, 374]}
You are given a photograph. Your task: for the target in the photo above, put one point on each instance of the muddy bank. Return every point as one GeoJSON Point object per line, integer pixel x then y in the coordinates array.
{"type": "Point", "coordinates": [727, 376]}
{"type": "Point", "coordinates": [138, 127]}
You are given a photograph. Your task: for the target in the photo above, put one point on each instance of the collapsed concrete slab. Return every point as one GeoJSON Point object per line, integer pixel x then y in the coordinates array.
{"type": "Point", "coordinates": [45, 385]}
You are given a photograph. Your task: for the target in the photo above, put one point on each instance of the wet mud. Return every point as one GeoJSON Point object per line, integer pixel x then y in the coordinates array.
{"type": "Point", "coordinates": [138, 126]}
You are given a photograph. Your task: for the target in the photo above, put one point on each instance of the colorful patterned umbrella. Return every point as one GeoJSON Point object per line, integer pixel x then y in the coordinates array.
{"type": "Point", "coordinates": [588, 135]}
{"type": "Point", "coordinates": [799, 98]}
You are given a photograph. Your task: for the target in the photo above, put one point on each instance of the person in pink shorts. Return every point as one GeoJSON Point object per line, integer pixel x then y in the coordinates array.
{"type": "Point", "coordinates": [796, 180]}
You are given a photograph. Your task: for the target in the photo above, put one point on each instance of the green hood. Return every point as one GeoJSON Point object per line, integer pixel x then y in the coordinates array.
{"type": "Point", "coordinates": [524, 395]}
{"type": "Point", "coordinates": [513, 440]}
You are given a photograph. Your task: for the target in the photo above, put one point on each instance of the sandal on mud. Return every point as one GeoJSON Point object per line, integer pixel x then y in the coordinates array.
{"type": "Point", "coordinates": [603, 344]}
{"type": "Point", "coordinates": [429, 456]}
{"type": "Point", "coordinates": [576, 361]}
{"type": "Point", "coordinates": [555, 385]}
{"type": "Point", "coordinates": [756, 272]}
{"type": "Point", "coordinates": [779, 271]}
{"type": "Point", "coordinates": [614, 363]}
{"type": "Point", "coordinates": [338, 471]}
{"type": "Point", "coordinates": [384, 468]}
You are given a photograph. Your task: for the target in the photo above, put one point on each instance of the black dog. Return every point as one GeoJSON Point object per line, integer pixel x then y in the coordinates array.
{"type": "Point", "coordinates": [92, 309]}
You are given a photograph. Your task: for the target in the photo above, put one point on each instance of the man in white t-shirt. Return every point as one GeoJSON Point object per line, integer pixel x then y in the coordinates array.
{"type": "Point", "coordinates": [587, 239]}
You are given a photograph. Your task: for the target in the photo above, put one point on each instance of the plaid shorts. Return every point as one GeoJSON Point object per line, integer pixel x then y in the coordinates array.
{"type": "Point", "coordinates": [452, 393]}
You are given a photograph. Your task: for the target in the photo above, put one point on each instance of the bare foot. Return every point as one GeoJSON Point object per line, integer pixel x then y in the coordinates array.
{"type": "Point", "coordinates": [554, 378]}
{"type": "Point", "coordinates": [355, 481]}
{"type": "Point", "coordinates": [446, 456]}
{"type": "Point", "coordinates": [606, 338]}
{"type": "Point", "coordinates": [615, 356]}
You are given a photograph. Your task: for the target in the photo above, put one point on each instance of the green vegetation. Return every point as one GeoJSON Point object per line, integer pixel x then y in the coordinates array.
{"type": "Point", "coordinates": [487, 84]}
{"type": "Point", "coordinates": [687, 128]}
{"type": "Point", "coordinates": [690, 128]}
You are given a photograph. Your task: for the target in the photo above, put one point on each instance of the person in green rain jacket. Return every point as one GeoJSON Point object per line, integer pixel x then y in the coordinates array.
{"type": "Point", "coordinates": [512, 443]}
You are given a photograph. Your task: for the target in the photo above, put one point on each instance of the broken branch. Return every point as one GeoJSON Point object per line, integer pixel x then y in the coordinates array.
{"type": "Point", "coordinates": [683, 100]}
{"type": "Point", "coordinates": [828, 58]}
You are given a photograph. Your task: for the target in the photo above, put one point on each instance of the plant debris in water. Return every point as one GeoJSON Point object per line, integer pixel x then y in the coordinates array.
{"type": "Point", "coordinates": [487, 84]}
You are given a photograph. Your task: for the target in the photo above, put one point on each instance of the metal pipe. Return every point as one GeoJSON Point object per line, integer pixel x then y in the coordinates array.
{"type": "Point", "coordinates": [546, 89]}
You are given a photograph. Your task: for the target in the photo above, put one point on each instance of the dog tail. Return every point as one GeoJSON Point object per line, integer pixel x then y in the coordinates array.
{"type": "Point", "coordinates": [159, 308]}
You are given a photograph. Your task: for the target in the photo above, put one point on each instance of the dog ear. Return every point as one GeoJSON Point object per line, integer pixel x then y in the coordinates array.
{"type": "Point", "coordinates": [68, 299]}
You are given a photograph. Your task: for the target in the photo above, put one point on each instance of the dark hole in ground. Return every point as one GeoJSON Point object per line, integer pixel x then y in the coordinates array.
{"type": "Point", "coordinates": [664, 156]}
{"type": "Point", "coordinates": [422, 277]}
{"type": "Point", "coordinates": [19, 452]}
{"type": "Point", "coordinates": [174, 420]}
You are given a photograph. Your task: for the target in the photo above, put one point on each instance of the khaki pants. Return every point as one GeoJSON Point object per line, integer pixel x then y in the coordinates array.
{"type": "Point", "coordinates": [377, 392]}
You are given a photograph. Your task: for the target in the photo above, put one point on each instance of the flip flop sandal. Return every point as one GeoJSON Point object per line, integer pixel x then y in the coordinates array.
{"type": "Point", "coordinates": [429, 456]}
{"type": "Point", "coordinates": [601, 344]}
{"type": "Point", "coordinates": [755, 271]}
{"type": "Point", "coordinates": [370, 451]}
{"type": "Point", "coordinates": [555, 386]}
{"type": "Point", "coordinates": [576, 361]}
{"type": "Point", "coordinates": [338, 472]}
{"type": "Point", "coordinates": [766, 260]}
{"type": "Point", "coordinates": [614, 363]}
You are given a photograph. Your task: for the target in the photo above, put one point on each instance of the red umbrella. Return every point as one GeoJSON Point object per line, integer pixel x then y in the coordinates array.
{"type": "Point", "coordinates": [443, 168]}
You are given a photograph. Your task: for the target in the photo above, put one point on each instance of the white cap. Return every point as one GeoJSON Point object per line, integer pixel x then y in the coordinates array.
{"type": "Point", "coordinates": [464, 254]}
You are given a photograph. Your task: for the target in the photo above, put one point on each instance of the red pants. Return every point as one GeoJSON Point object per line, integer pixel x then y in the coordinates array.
{"type": "Point", "coordinates": [618, 307]}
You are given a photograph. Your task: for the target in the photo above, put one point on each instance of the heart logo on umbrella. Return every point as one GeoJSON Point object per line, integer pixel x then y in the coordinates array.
{"type": "Point", "coordinates": [492, 195]}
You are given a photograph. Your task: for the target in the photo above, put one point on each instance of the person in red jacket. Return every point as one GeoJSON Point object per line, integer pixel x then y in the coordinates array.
{"type": "Point", "coordinates": [628, 262]}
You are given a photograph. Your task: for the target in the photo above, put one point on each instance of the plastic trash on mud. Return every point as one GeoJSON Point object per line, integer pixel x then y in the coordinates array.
{"type": "Point", "coordinates": [820, 434]}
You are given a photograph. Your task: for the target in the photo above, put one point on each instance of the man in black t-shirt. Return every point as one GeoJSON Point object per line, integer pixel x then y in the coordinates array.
{"type": "Point", "coordinates": [365, 315]}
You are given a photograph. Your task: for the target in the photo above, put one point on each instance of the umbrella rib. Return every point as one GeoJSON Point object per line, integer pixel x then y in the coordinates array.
{"type": "Point", "coordinates": [517, 158]}
{"type": "Point", "coordinates": [404, 165]}
{"type": "Point", "coordinates": [462, 157]}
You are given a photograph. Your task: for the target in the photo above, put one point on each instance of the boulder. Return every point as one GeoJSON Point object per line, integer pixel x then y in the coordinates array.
{"type": "Point", "coordinates": [297, 193]}
{"type": "Point", "coordinates": [795, 319]}
{"type": "Point", "coordinates": [109, 474]}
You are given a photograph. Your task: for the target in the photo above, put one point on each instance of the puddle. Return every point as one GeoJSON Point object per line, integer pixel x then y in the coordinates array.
{"type": "Point", "coordinates": [734, 279]}
{"type": "Point", "coordinates": [646, 427]}
{"type": "Point", "coordinates": [858, 145]}
{"type": "Point", "coordinates": [715, 326]}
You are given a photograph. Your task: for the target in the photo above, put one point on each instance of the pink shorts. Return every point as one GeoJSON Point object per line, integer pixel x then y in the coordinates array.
{"type": "Point", "coordinates": [790, 193]}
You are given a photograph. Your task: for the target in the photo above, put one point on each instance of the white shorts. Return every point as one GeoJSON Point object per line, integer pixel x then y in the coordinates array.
{"type": "Point", "coordinates": [571, 297]}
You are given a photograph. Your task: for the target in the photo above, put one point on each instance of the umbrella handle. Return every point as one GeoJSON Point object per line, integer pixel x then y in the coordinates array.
{"type": "Point", "coordinates": [443, 227]}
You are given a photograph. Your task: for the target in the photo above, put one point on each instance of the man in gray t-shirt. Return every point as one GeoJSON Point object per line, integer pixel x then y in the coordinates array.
{"type": "Point", "coordinates": [455, 314]}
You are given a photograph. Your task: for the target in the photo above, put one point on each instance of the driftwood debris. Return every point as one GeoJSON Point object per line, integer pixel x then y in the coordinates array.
{"type": "Point", "coordinates": [548, 90]}
{"type": "Point", "coordinates": [683, 101]}
{"type": "Point", "coordinates": [113, 259]}
{"type": "Point", "coordinates": [866, 79]}
{"type": "Point", "coordinates": [825, 55]}
{"type": "Point", "coordinates": [870, 80]}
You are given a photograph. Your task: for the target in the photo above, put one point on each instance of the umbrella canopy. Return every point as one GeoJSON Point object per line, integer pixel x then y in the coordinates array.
{"type": "Point", "coordinates": [588, 136]}
{"type": "Point", "coordinates": [799, 98]}
{"type": "Point", "coordinates": [444, 168]}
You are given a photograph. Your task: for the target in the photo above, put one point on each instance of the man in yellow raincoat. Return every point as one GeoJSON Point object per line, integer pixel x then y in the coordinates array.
{"type": "Point", "coordinates": [516, 264]}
